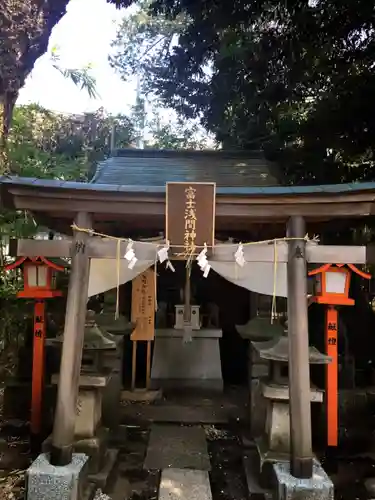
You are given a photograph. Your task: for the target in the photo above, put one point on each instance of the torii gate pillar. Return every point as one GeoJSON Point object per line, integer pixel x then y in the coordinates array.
{"type": "Point", "coordinates": [71, 356]}
{"type": "Point", "coordinates": [299, 375]}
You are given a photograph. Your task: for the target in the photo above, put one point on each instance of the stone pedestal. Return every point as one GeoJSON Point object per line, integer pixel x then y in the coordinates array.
{"type": "Point", "coordinates": [258, 329]}
{"type": "Point", "coordinates": [258, 371]}
{"type": "Point", "coordinates": [111, 395]}
{"type": "Point", "coordinates": [46, 482]}
{"type": "Point", "coordinates": [274, 445]}
{"type": "Point", "coordinates": [94, 447]}
{"type": "Point", "coordinates": [89, 404]}
{"type": "Point", "coordinates": [277, 423]}
{"type": "Point", "coordinates": [112, 360]}
{"type": "Point", "coordinates": [318, 487]}
{"type": "Point", "coordinates": [103, 351]}
{"type": "Point", "coordinates": [195, 364]}
{"type": "Point", "coordinates": [91, 438]}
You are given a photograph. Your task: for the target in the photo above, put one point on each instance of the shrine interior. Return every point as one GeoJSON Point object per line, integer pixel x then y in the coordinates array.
{"type": "Point", "coordinates": [222, 306]}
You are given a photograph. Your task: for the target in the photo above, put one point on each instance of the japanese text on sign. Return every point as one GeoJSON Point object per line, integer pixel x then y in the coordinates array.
{"type": "Point", "coordinates": [143, 306]}
{"type": "Point", "coordinates": [190, 220]}
{"type": "Point", "coordinates": [190, 217]}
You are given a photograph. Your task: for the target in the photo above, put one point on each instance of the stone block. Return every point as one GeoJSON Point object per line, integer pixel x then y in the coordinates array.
{"type": "Point", "coordinates": [281, 393]}
{"type": "Point", "coordinates": [179, 484]}
{"type": "Point", "coordinates": [258, 408]}
{"type": "Point", "coordinates": [89, 411]}
{"type": "Point", "coordinates": [88, 380]}
{"type": "Point", "coordinates": [47, 482]}
{"type": "Point", "coordinates": [141, 395]}
{"type": "Point", "coordinates": [288, 487]}
{"type": "Point", "coordinates": [195, 317]}
{"type": "Point", "coordinates": [277, 427]}
{"type": "Point", "coordinates": [194, 364]}
{"type": "Point", "coordinates": [260, 371]}
{"type": "Point", "coordinates": [111, 402]}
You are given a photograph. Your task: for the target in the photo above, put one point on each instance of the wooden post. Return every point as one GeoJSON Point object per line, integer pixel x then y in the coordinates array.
{"type": "Point", "coordinates": [70, 367]}
{"type": "Point", "coordinates": [148, 365]}
{"type": "Point", "coordinates": [38, 366]}
{"type": "Point", "coordinates": [331, 339]}
{"type": "Point", "coordinates": [134, 364]}
{"type": "Point", "coordinates": [299, 368]}
{"type": "Point", "coordinates": [187, 294]}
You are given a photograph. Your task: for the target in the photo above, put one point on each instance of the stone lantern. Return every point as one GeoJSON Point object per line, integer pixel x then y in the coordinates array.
{"type": "Point", "coordinates": [115, 329]}
{"type": "Point", "coordinates": [258, 329]}
{"type": "Point", "coordinates": [274, 445]}
{"type": "Point", "coordinates": [91, 436]}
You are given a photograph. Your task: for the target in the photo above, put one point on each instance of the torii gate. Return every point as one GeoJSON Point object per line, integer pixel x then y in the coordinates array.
{"type": "Point", "coordinates": [82, 247]}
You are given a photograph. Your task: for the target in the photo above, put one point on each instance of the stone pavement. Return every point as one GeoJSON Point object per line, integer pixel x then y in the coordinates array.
{"type": "Point", "coordinates": [168, 462]}
{"type": "Point", "coordinates": [178, 447]}
{"type": "Point", "coordinates": [168, 452]}
{"type": "Point", "coordinates": [181, 484]}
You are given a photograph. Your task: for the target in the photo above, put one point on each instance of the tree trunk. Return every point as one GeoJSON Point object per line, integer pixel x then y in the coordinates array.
{"type": "Point", "coordinates": [3, 158]}
{"type": "Point", "coordinates": [7, 103]}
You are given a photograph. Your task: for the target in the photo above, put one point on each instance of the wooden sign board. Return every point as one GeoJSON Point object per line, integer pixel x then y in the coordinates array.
{"type": "Point", "coordinates": [143, 305]}
{"type": "Point", "coordinates": [190, 216]}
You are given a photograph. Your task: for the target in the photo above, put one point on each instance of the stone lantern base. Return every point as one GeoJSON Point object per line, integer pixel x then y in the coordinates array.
{"type": "Point", "coordinates": [91, 437]}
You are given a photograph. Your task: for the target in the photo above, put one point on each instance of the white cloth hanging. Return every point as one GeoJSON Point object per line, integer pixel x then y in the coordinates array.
{"type": "Point", "coordinates": [103, 273]}
{"type": "Point", "coordinates": [255, 276]}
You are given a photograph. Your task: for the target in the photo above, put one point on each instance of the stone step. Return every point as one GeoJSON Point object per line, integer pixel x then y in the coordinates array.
{"type": "Point", "coordinates": [178, 447]}
{"type": "Point", "coordinates": [184, 484]}
{"type": "Point", "coordinates": [146, 414]}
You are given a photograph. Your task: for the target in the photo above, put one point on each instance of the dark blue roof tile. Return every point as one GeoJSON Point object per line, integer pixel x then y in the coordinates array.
{"type": "Point", "coordinates": [143, 167]}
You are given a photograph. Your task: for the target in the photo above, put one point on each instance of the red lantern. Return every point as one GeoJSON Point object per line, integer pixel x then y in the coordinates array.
{"type": "Point", "coordinates": [332, 284]}
{"type": "Point", "coordinates": [39, 277]}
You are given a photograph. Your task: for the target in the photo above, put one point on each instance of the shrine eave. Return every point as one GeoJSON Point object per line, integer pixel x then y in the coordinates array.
{"type": "Point", "coordinates": [64, 199]}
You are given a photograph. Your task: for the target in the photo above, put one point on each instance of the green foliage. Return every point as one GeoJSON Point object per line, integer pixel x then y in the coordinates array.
{"type": "Point", "coordinates": [160, 129]}
{"type": "Point", "coordinates": [42, 144]}
{"type": "Point", "coordinates": [45, 144]}
{"type": "Point", "coordinates": [80, 77]}
{"type": "Point", "coordinates": [143, 41]}
{"type": "Point", "coordinates": [295, 78]}
{"type": "Point", "coordinates": [25, 28]}
{"type": "Point", "coordinates": [177, 134]}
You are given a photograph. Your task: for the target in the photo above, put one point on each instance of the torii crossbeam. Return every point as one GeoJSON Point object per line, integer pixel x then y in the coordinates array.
{"type": "Point", "coordinates": [107, 249]}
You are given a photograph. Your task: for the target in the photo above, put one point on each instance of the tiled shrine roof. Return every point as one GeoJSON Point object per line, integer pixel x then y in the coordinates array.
{"type": "Point", "coordinates": [137, 168]}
